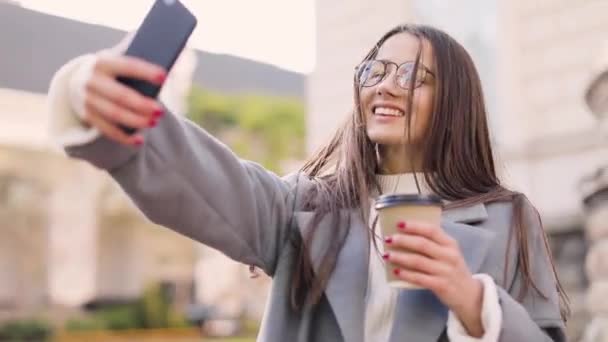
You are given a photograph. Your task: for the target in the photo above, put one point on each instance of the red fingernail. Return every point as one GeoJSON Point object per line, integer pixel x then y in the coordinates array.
{"type": "Point", "coordinates": [385, 256]}
{"type": "Point", "coordinates": [153, 122]}
{"type": "Point", "coordinates": [139, 141]}
{"type": "Point", "coordinates": [401, 225]}
{"type": "Point", "coordinates": [160, 78]}
{"type": "Point", "coordinates": [396, 271]}
{"type": "Point", "coordinates": [388, 239]}
{"type": "Point", "coordinates": [158, 113]}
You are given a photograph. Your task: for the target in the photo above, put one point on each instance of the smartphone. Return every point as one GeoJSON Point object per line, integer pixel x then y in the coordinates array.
{"type": "Point", "coordinates": [159, 39]}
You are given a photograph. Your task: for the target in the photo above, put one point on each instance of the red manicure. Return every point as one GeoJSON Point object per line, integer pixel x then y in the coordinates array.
{"type": "Point", "coordinates": [158, 113]}
{"type": "Point", "coordinates": [385, 256]}
{"type": "Point", "coordinates": [138, 141]}
{"type": "Point", "coordinates": [401, 225]}
{"type": "Point", "coordinates": [388, 239]}
{"type": "Point", "coordinates": [396, 271]}
{"type": "Point", "coordinates": [160, 78]}
{"type": "Point", "coordinates": [153, 122]}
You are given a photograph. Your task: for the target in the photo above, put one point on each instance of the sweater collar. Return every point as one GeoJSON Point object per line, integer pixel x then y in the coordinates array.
{"type": "Point", "coordinates": [402, 183]}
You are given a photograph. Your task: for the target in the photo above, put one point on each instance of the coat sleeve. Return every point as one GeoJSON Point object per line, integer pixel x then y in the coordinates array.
{"type": "Point", "coordinates": [536, 317]}
{"type": "Point", "coordinates": [491, 316]}
{"type": "Point", "coordinates": [185, 179]}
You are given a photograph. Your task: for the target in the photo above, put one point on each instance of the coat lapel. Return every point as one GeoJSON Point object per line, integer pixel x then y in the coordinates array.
{"type": "Point", "coordinates": [419, 316]}
{"type": "Point", "coordinates": [346, 286]}
{"type": "Point", "coordinates": [471, 214]}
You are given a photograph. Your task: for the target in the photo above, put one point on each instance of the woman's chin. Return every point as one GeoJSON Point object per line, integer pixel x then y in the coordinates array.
{"type": "Point", "coordinates": [386, 139]}
{"type": "Point", "coordinates": [388, 142]}
{"type": "Point", "coordinates": [388, 135]}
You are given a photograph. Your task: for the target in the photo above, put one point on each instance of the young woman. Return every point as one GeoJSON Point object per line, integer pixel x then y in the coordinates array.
{"type": "Point", "coordinates": [418, 125]}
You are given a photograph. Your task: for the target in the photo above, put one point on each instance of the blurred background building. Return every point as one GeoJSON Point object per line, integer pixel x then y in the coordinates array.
{"type": "Point", "coordinates": [536, 60]}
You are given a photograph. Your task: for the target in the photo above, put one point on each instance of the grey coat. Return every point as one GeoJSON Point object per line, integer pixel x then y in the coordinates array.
{"type": "Point", "coordinates": [186, 180]}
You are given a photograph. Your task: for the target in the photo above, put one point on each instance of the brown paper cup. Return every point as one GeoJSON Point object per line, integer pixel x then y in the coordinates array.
{"type": "Point", "coordinates": [395, 208]}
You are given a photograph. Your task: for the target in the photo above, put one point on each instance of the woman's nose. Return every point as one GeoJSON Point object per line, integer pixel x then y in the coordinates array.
{"type": "Point", "coordinates": [388, 85]}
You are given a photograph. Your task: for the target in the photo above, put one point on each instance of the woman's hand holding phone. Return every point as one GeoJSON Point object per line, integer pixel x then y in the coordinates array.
{"type": "Point", "coordinates": [108, 104]}
{"type": "Point", "coordinates": [116, 94]}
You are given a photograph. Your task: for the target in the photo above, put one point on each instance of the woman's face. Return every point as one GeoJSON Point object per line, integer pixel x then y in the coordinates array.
{"type": "Point", "coordinates": [384, 104]}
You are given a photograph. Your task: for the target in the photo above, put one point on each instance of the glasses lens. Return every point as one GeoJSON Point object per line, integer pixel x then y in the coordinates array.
{"type": "Point", "coordinates": [371, 73]}
{"type": "Point", "coordinates": [404, 75]}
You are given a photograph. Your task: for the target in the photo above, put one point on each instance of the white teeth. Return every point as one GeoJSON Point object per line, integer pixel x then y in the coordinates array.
{"type": "Point", "coordinates": [388, 111]}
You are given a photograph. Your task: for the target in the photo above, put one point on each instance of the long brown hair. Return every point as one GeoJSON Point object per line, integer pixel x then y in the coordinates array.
{"type": "Point", "coordinates": [344, 170]}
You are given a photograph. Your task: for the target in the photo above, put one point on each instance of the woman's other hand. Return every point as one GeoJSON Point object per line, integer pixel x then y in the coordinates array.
{"type": "Point", "coordinates": [428, 257]}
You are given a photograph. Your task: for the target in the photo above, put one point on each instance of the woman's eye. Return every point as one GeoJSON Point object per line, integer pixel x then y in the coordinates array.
{"type": "Point", "coordinates": [406, 74]}
{"type": "Point", "coordinates": [376, 75]}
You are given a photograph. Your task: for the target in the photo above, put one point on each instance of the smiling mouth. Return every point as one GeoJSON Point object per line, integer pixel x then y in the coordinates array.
{"type": "Point", "coordinates": [386, 111]}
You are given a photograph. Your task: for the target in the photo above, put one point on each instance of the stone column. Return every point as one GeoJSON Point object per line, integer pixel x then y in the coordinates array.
{"type": "Point", "coordinates": [596, 226]}
{"type": "Point", "coordinates": [595, 192]}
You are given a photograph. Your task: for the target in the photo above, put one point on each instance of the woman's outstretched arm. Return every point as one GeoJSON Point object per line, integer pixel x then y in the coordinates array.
{"type": "Point", "coordinates": [183, 178]}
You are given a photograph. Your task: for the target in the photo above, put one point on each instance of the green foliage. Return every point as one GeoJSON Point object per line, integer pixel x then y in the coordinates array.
{"type": "Point", "coordinates": [152, 311]}
{"type": "Point", "coordinates": [123, 317]}
{"type": "Point", "coordinates": [154, 307]}
{"type": "Point", "coordinates": [26, 330]}
{"type": "Point", "coordinates": [85, 324]}
{"type": "Point", "coordinates": [266, 129]}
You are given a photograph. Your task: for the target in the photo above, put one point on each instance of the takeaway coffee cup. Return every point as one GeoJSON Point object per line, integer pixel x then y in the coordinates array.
{"type": "Point", "coordinates": [395, 208]}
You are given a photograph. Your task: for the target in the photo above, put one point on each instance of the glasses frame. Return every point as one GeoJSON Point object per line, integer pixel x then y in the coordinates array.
{"type": "Point", "coordinates": [386, 64]}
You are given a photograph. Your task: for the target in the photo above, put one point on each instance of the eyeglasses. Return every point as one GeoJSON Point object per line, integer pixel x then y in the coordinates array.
{"type": "Point", "coordinates": [370, 73]}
